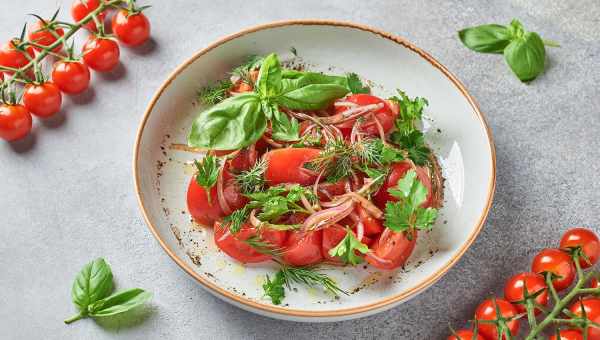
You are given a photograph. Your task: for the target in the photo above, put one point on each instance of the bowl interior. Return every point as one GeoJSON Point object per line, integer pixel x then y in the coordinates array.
{"type": "Point", "coordinates": [453, 126]}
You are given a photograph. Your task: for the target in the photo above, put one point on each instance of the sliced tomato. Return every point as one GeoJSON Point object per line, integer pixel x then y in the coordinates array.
{"type": "Point", "coordinates": [332, 236]}
{"type": "Point", "coordinates": [287, 166]}
{"type": "Point", "coordinates": [391, 250]}
{"type": "Point", "coordinates": [372, 225]}
{"type": "Point", "coordinates": [275, 237]}
{"type": "Point", "coordinates": [303, 248]}
{"type": "Point", "coordinates": [243, 160]}
{"type": "Point", "coordinates": [385, 115]}
{"type": "Point", "coordinates": [398, 170]}
{"type": "Point", "coordinates": [328, 190]}
{"type": "Point", "coordinates": [234, 245]}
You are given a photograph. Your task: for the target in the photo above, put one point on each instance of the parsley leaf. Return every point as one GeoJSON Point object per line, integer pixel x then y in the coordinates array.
{"type": "Point", "coordinates": [407, 213]}
{"type": "Point", "coordinates": [414, 144]}
{"type": "Point", "coordinates": [355, 85]}
{"type": "Point", "coordinates": [208, 172]}
{"type": "Point", "coordinates": [274, 289]}
{"type": "Point", "coordinates": [284, 128]}
{"type": "Point", "coordinates": [211, 95]}
{"type": "Point", "coordinates": [345, 250]}
{"type": "Point", "coordinates": [274, 204]}
{"type": "Point", "coordinates": [411, 111]}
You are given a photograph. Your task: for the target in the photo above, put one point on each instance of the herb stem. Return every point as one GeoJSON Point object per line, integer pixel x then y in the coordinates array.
{"type": "Point", "coordinates": [76, 317]}
{"type": "Point", "coordinates": [550, 43]}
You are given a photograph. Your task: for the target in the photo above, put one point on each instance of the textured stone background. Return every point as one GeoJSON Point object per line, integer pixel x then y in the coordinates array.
{"type": "Point", "coordinates": [66, 195]}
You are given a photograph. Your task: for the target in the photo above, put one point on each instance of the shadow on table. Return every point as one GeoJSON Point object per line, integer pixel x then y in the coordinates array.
{"type": "Point", "coordinates": [130, 319]}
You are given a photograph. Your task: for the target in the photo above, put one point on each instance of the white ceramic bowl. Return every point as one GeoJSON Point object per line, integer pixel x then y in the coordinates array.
{"type": "Point", "coordinates": [464, 148]}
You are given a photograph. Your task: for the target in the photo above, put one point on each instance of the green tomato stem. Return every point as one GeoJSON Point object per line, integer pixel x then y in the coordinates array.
{"type": "Point", "coordinates": [76, 317]}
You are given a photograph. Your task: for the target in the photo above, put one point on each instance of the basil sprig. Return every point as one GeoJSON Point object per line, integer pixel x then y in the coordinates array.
{"type": "Point", "coordinates": [523, 51]}
{"type": "Point", "coordinates": [241, 120]}
{"type": "Point", "coordinates": [91, 293]}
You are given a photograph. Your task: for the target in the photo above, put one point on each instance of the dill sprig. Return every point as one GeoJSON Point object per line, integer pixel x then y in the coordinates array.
{"type": "Point", "coordinates": [243, 71]}
{"type": "Point", "coordinates": [211, 95]}
{"type": "Point", "coordinates": [263, 247]}
{"type": "Point", "coordinates": [252, 180]}
{"type": "Point", "coordinates": [236, 219]}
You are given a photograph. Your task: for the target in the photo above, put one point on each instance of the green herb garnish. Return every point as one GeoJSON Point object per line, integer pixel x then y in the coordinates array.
{"type": "Point", "coordinates": [208, 172]}
{"type": "Point", "coordinates": [407, 214]}
{"type": "Point", "coordinates": [407, 136]}
{"type": "Point", "coordinates": [346, 249]}
{"type": "Point", "coordinates": [355, 85]}
{"type": "Point", "coordinates": [91, 293]}
{"type": "Point", "coordinates": [211, 95]}
{"type": "Point", "coordinates": [253, 179]}
{"type": "Point", "coordinates": [524, 51]}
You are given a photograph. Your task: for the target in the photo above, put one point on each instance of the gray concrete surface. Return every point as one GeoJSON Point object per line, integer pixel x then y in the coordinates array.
{"type": "Point", "coordinates": [66, 195]}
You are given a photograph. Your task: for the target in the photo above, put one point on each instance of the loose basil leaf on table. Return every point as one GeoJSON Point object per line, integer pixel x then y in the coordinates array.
{"type": "Point", "coordinates": [92, 283]}
{"type": "Point", "coordinates": [526, 56]}
{"type": "Point", "coordinates": [232, 124]}
{"type": "Point", "coordinates": [119, 302]}
{"type": "Point", "coordinates": [490, 38]}
{"type": "Point", "coordinates": [312, 97]}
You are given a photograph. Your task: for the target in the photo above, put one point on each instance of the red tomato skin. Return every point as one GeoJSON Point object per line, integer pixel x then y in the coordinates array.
{"type": "Point", "coordinates": [398, 170]}
{"type": "Point", "coordinates": [385, 115]}
{"type": "Point", "coordinates": [303, 248]}
{"type": "Point", "coordinates": [234, 245]}
{"type": "Point", "coordinates": [568, 334]}
{"type": "Point", "coordinates": [71, 77]}
{"type": "Point", "coordinates": [13, 58]}
{"type": "Point", "coordinates": [591, 305]}
{"type": "Point", "coordinates": [42, 35]}
{"type": "Point", "coordinates": [15, 122]}
{"type": "Point", "coordinates": [327, 189]}
{"type": "Point", "coordinates": [286, 166]}
{"type": "Point", "coordinates": [132, 30]}
{"type": "Point", "coordinates": [594, 283]}
{"type": "Point", "coordinates": [43, 100]}
{"type": "Point", "coordinates": [465, 334]}
{"type": "Point", "coordinates": [275, 237]}
{"type": "Point", "coordinates": [80, 9]}
{"type": "Point", "coordinates": [557, 262]}
{"type": "Point", "coordinates": [587, 240]}
{"type": "Point", "coordinates": [514, 291]}
{"type": "Point", "coordinates": [391, 250]}
{"type": "Point", "coordinates": [101, 54]}
{"type": "Point", "coordinates": [332, 236]}
{"type": "Point", "coordinates": [372, 225]}
{"type": "Point", "coordinates": [487, 311]}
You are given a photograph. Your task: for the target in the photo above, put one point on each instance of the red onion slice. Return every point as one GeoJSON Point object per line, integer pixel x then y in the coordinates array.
{"type": "Point", "coordinates": [327, 217]}
{"type": "Point", "coordinates": [221, 195]}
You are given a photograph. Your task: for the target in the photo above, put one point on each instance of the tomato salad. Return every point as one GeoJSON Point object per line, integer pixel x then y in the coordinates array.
{"type": "Point", "coordinates": [304, 168]}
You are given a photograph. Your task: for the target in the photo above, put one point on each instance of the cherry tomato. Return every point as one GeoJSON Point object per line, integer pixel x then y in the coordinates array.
{"type": "Point", "coordinates": [15, 122]}
{"type": "Point", "coordinates": [205, 212]}
{"type": "Point", "coordinates": [11, 57]}
{"type": "Point", "coordinates": [42, 100]}
{"type": "Point", "coordinates": [557, 262]}
{"type": "Point", "coordinates": [398, 170]}
{"type": "Point", "coordinates": [391, 250]}
{"type": "Point", "coordinates": [101, 54]}
{"type": "Point", "coordinates": [131, 29]}
{"type": "Point", "coordinates": [372, 225]}
{"type": "Point", "coordinates": [587, 240]}
{"type": "Point", "coordinates": [568, 334]}
{"type": "Point", "coordinates": [465, 334]}
{"type": "Point", "coordinates": [43, 35]}
{"type": "Point", "coordinates": [487, 311]}
{"type": "Point", "coordinates": [591, 306]}
{"type": "Point", "coordinates": [385, 115]}
{"type": "Point", "coordinates": [81, 8]}
{"type": "Point", "coordinates": [71, 77]}
{"type": "Point", "coordinates": [234, 245]}
{"type": "Point", "coordinates": [287, 166]}
{"type": "Point", "coordinates": [514, 289]}
{"type": "Point", "coordinates": [332, 236]}
{"type": "Point", "coordinates": [303, 248]}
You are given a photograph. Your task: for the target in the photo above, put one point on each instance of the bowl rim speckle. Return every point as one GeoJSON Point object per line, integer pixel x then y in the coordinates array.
{"type": "Point", "coordinates": [381, 304]}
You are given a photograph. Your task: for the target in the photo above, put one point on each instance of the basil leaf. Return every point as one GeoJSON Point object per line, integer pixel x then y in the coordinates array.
{"type": "Point", "coordinates": [526, 56]}
{"type": "Point", "coordinates": [232, 124]}
{"type": "Point", "coordinates": [284, 129]}
{"type": "Point", "coordinates": [312, 97]}
{"type": "Point", "coordinates": [301, 79]}
{"type": "Point", "coordinates": [490, 38]}
{"type": "Point", "coordinates": [119, 302]}
{"type": "Point", "coordinates": [268, 83]}
{"type": "Point", "coordinates": [92, 283]}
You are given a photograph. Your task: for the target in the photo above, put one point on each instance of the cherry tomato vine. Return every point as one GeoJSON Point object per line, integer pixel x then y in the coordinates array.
{"type": "Point", "coordinates": [556, 299]}
{"type": "Point", "coordinates": [24, 87]}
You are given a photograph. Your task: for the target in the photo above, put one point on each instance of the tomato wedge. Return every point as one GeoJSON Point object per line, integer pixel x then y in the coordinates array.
{"type": "Point", "coordinates": [391, 250]}
{"type": "Point", "coordinates": [372, 225]}
{"type": "Point", "coordinates": [287, 166]}
{"type": "Point", "coordinates": [332, 236]}
{"type": "Point", "coordinates": [386, 115]}
{"type": "Point", "coordinates": [398, 170]}
{"type": "Point", "coordinates": [234, 245]}
{"type": "Point", "coordinates": [303, 248]}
